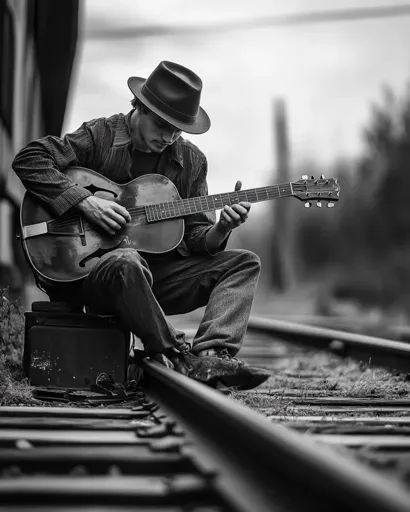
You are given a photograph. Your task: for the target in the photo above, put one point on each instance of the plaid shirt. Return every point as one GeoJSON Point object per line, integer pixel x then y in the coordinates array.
{"type": "Point", "coordinates": [105, 146]}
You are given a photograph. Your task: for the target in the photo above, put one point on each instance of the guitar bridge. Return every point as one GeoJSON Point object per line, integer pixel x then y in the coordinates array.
{"type": "Point", "coordinates": [43, 228]}
{"type": "Point", "coordinates": [40, 228]}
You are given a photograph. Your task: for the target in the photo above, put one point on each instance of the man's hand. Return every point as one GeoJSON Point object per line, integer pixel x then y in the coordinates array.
{"type": "Point", "coordinates": [233, 216]}
{"type": "Point", "coordinates": [106, 214]}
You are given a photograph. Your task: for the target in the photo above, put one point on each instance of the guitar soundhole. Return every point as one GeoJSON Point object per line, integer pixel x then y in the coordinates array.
{"type": "Point", "coordinates": [93, 189]}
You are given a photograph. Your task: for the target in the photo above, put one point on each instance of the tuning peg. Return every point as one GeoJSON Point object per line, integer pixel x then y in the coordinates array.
{"type": "Point", "coordinates": [312, 177]}
{"type": "Point", "coordinates": [330, 204]}
{"type": "Point", "coordinates": [305, 177]}
{"type": "Point", "coordinates": [319, 204]}
{"type": "Point", "coordinates": [322, 176]}
{"type": "Point", "coordinates": [308, 204]}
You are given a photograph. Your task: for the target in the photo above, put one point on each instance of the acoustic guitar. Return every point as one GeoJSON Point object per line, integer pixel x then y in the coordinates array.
{"type": "Point", "coordinates": [64, 249]}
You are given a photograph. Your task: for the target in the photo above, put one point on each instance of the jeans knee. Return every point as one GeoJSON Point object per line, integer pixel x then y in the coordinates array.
{"type": "Point", "coordinates": [123, 258]}
{"type": "Point", "coordinates": [251, 259]}
{"type": "Point", "coordinates": [126, 265]}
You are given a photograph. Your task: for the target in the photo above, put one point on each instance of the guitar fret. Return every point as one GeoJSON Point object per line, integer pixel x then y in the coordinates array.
{"type": "Point", "coordinates": [182, 207]}
{"type": "Point", "coordinates": [158, 210]}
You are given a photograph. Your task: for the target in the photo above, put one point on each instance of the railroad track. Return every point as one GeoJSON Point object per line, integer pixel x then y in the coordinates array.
{"type": "Point", "coordinates": [309, 395]}
{"type": "Point", "coordinates": [391, 354]}
{"type": "Point", "coordinates": [180, 446]}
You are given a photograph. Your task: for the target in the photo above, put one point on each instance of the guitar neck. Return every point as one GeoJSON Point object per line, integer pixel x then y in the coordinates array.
{"type": "Point", "coordinates": [183, 207]}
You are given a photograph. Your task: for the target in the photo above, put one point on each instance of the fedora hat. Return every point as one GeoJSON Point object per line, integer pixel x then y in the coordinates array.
{"type": "Point", "coordinates": [173, 92]}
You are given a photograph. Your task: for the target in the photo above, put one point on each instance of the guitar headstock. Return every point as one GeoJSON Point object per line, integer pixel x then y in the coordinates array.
{"type": "Point", "coordinates": [321, 190]}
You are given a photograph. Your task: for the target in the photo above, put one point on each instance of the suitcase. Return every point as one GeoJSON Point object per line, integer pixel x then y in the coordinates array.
{"type": "Point", "coordinates": [65, 347]}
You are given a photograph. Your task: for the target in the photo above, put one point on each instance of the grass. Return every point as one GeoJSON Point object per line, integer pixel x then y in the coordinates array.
{"type": "Point", "coordinates": [14, 388]}
{"type": "Point", "coordinates": [344, 377]}
{"type": "Point", "coordinates": [278, 405]}
{"type": "Point", "coordinates": [316, 373]}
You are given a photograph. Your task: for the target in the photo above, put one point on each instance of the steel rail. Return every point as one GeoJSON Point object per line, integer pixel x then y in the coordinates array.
{"type": "Point", "coordinates": [265, 467]}
{"type": "Point", "coordinates": [384, 352]}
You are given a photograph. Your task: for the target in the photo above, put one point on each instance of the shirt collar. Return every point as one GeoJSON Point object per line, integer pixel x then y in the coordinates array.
{"type": "Point", "coordinates": [175, 152]}
{"type": "Point", "coordinates": [122, 134]}
{"type": "Point", "coordinates": [123, 137]}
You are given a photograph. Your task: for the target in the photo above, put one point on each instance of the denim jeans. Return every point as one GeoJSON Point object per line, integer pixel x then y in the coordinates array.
{"type": "Point", "coordinates": [141, 289]}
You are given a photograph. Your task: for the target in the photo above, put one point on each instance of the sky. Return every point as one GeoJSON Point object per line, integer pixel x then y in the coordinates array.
{"type": "Point", "coordinates": [329, 74]}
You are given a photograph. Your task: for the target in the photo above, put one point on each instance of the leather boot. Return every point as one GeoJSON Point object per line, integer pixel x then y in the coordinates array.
{"type": "Point", "coordinates": [215, 370]}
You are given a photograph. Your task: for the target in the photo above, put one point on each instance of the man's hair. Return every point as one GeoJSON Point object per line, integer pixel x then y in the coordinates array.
{"type": "Point", "coordinates": [137, 103]}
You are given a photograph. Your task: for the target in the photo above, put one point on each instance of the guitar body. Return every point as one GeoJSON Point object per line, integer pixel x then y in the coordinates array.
{"type": "Point", "coordinates": [71, 246]}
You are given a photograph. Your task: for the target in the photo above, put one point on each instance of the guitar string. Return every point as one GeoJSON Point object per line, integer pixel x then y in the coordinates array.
{"type": "Point", "coordinates": [220, 199]}
{"type": "Point", "coordinates": [183, 206]}
{"type": "Point", "coordinates": [74, 219]}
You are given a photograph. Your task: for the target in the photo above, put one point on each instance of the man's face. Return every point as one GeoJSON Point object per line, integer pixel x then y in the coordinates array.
{"type": "Point", "coordinates": [151, 133]}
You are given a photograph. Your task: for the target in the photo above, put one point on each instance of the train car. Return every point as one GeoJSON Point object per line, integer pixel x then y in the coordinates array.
{"type": "Point", "coordinates": [38, 40]}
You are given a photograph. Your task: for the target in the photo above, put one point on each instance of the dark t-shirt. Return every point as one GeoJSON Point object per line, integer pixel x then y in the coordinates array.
{"type": "Point", "coordinates": [143, 163]}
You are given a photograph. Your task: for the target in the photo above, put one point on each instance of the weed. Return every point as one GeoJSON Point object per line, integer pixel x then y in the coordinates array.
{"type": "Point", "coordinates": [14, 389]}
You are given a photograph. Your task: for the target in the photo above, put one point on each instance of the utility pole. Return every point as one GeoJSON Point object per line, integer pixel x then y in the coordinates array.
{"type": "Point", "coordinates": [281, 253]}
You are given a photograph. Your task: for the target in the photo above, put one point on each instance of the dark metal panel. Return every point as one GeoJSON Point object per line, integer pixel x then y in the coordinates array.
{"type": "Point", "coordinates": [55, 36]}
{"type": "Point", "coordinates": [7, 64]}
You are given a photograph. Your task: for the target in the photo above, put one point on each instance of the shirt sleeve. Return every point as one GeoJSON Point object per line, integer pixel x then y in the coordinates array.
{"type": "Point", "coordinates": [41, 165]}
{"type": "Point", "coordinates": [198, 224]}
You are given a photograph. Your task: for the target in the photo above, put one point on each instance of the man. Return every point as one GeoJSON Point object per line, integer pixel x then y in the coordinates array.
{"type": "Point", "coordinates": [140, 288]}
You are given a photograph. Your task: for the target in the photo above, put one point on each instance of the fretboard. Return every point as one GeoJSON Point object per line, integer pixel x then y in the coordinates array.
{"type": "Point", "coordinates": [181, 208]}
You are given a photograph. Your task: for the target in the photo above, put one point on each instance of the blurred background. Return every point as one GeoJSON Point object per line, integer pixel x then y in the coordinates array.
{"type": "Point", "coordinates": [292, 88]}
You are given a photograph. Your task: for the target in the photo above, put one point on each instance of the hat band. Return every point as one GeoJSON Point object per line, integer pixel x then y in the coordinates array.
{"type": "Point", "coordinates": [165, 107]}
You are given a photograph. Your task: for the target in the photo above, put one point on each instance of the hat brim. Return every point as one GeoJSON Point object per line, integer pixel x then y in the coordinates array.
{"type": "Point", "coordinates": [202, 122]}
